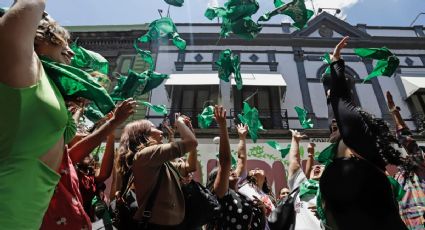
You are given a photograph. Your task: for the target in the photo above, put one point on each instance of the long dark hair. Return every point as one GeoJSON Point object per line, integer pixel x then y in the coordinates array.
{"type": "Point", "coordinates": [387, 154]}
{"type": "Point", "coordinates": [266, 188]}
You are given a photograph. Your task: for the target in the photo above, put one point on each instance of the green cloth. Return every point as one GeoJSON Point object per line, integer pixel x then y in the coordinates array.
{"type": "Point", "coordinates": [88, 60]}
{"type": "Point", "coordinates": [309, 187]}
{"type": "Point", "coordinates": [178, 3]}
{"type": "Point", "coordinates": [283, 151]}
{"type": "Point", "coordinates": [250, 118]}
{"type": "Point", "coordinates": [34, 119]}
{"type": "Point", "coordinates": [101, 210]}
{"type": "Point", "coordinates": [228, 64]}
{"type": "Point", "coordinates": [236, 18]}
{"type": "Point", "coordinates": [74, 82]}
{"type": "Point", "coordinates": [164, 29]}
{"type": "Point", "coordinates": [398, 191]}
{"type": "Point", "coordinates": [160, 109]}
{"type": "Point", "coordinates": [387, 61]}
{"type": "Point", "coordinates": [136, 84]}
{"type": "Point", "coordinates": [327, 155]}
{"type": "Point", "coordinates": [327, 59]}
{"type": "Point", "coordinates": [206, 117]}
{"type": "Point", "coordinates": [278, 3]}
{"type": "Point", "coordinates": [305, 122]}
{"type": "Point", "coordinates": [295, 9]}
{"type": "Point", "coordinates": [70, 129]}
{"type": "Point", "coordinates": [146, 55]}
{"type": "Point", "coordinates": [92, 113]}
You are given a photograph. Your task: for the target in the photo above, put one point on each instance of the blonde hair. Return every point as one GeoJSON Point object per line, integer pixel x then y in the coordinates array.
{"type": "Point", "coordinates": [49, 30]}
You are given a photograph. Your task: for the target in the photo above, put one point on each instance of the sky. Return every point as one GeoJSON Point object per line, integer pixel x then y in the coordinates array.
{"type": "Point", "coordinates": [122, 12]}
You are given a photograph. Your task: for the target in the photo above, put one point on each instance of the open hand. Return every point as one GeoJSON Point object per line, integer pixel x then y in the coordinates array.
{"type": "Point", "coordinates": [220, 115]}
{"type": "Point", "coordinates": [242, 130]}
{"type": "Point", "coordinates": [124, 110]}
{"type": "Point", "coordinates": [297, 135]}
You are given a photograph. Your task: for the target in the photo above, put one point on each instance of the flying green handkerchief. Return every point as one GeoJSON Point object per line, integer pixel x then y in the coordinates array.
{"type": "Point", "coordinates": [206, 117]}
{"type": "Point", "coordinates": [295, 9]}
{"type": "Point", "coordinates": [228, 64]}
{"type": "Point", "coordinates": [137, 84]}
{"type": "Point", "coordinates": [283, 152]}
{"type": "Point", "coordinates": [164, 29]}
{"type": "Point", "coordinates": [250, 118]}
{"type": "Point", "coordinates": [236, 18]}
{"type": "Point", "coordinates": [387, 62]}
{"type": "Point", "coordinates": [327, 59]}
{"type": "Point", "coordinates": [88, 60]}
{"type": "Point", "coordinates": [177, 3]}
{"type": "Point", "coordinates": [92, 113]}
{"type": "Point", "coordinates": [160, 109]}
{"type": "Point", "coordinates": [72, 81]}
{"type": "Point", "coordinates": [146, 55]}
{"type": "Point", "coordinates": [305, 122]}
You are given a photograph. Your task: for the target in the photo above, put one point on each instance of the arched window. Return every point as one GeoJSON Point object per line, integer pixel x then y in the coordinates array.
{"type": "Point", "coordinates": [352, 79]}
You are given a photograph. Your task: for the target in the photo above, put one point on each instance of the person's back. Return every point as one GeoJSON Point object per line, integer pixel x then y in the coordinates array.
{"type": "Point", "coordinates": [357, 195]}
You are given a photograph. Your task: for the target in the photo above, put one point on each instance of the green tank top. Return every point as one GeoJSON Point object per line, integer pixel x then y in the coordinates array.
{"type": "Point", "coordinates": [32, 120]}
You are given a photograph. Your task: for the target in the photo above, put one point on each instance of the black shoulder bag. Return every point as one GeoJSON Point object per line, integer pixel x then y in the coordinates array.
{"type": "Point", "coordinates": [284, 216]}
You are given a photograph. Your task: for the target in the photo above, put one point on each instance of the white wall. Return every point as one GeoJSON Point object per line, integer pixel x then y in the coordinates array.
{"type": "Point", "coordinates": [368, 99]}
{"type": "Point", "coordinates": [318, 100]}
{"type": "Point", "coordinates": [391, 32]}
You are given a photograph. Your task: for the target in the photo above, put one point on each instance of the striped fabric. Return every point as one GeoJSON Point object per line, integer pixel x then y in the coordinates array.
{"type": "Point", "coordinates": [412, 206]}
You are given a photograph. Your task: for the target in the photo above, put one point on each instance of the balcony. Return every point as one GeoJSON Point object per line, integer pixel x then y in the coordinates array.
{"type": "Point", "coordinates": [271, 119]}
{"type": "Point", "coordinates": [419, 120]}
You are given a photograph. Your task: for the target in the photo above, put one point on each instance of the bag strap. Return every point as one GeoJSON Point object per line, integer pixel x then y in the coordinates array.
{"type": "Point", "coordinates": [147, 213]}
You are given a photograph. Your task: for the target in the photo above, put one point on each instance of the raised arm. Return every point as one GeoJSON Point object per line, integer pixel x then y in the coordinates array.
{"type": "Point", "coordinates": [352, 127]}
{"type": "Point", "coordinates": [221, 183]}
{"type": "Point", "coordinates": [107, 160]}
{"type": "Point", "coordinates": [192, 159]}
{"type": "Point", "coordinates": [395, 113]}
{"type": "Point", "coordinates": [310, 160]}
{"type": "Point", "coordinates": [242, 157]}
{"type": "Point", "coordinates": [84, 147]}
{"type": "Point", "coordinates": [18, 28]}
{"type": "Point", "coordinates": [294, 153]}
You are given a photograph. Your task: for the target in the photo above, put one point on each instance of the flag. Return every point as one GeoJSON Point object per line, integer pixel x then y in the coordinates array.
{"type": "Point", "coordinates": [387, 62]}
{"type": "Point", "coordinates": [305, 122]}
{"type": "Point", "coordinates": [206, 117]}
{"type": "Point", "coordinates": [250, 118]}
{"type": "Point", "coordinates": [229, 64]}
{"type": "Point", "coordinates": [283, 151]}
{"type": "Point", "coordinates": [163, 29]}
{"type": "Point", "coordinates": [88, 60]}
{"type": "Point", "coordinates": [160, 109]}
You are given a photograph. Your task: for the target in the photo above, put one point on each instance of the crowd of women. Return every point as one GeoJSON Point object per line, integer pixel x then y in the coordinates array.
{"type": "Point", "coordinates": [49, 180]}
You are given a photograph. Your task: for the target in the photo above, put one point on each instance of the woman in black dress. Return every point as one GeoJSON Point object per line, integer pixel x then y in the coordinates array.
{"type": "Point", "coordinates": [238, 212]}
{"type": "Point", "coordinates": [356, 193]}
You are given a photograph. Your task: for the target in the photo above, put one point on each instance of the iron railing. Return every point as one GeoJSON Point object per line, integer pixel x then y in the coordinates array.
{"type": "Point", "coordinates": [271, 119]}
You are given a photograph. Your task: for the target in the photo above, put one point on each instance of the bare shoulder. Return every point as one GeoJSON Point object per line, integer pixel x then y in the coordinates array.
{"type": "Point", "coordinates": [20, 75]}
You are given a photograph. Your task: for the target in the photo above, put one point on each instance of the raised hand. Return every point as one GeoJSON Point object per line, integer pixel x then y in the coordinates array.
{"type": "Point", "coordinates": [390, 101]}
{"type": "Point", "coordinates": [297, 136]}
{"type": "Point", "coordinates": [220, 115]}
{"type": "Point", "coordinates": [242, 130]}
{"type": "Point", "coordinates": [124, 110]}
{"type": "Point", "coordinates": [337, 51]}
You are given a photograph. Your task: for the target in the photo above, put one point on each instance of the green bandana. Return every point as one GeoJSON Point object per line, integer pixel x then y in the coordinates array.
{"type": "Point", "coordinates": [305, 122]}
{"type": "Point", "coordinates": [295, 9]}
{"type": "Point", "coordinates": [146, 55]}
{"type": "Point", "coordinates": [387, 61]}
{"type": "Point", "coordinates": [177, 3]}
{"type": "Point", "coordinates": [236, 18]}
{"type": "Point", "coordinates": [228, 64]}
{"type": "Point", "coordinates": [164, 29]}
{"type": "Point", "coordinates": [160, 109]}
{"type": "Point", "coordinates": [283, 152]}
{"type": "Point", "coordinates": [206, 117]}
{"type": "Point", "coordinates": [398, 191]}
{"type": "Point", "coordinates": [309, 187]}
{"type": "Point", "coordinates": [327, 59]}
{"type": "Point", "coordinates": [327, 155]}
{"type": "Point", "coordinates": [74, 82]}
{"type": "Point", "coordinates": [88, 60]}
{"type": "Point", "coordinates": [250, 118]}
{"type": "Point", "coordinates": [136, 84]}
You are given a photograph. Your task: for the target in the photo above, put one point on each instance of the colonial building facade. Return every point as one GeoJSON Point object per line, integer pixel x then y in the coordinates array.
{"type": "Point", "coordinates": [282, 65]}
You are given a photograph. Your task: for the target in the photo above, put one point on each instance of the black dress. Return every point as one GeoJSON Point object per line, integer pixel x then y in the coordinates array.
{"type": "Point", "coordinates": [239, 213]}
{"type": "Point", "coordinates": [355, 191]}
